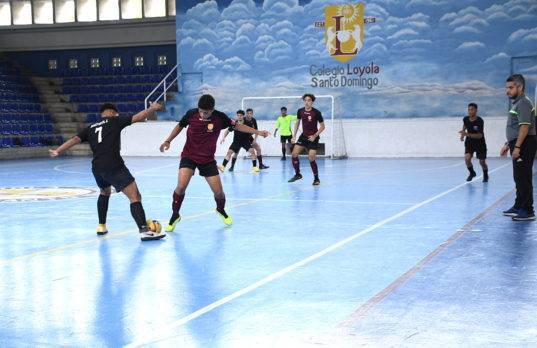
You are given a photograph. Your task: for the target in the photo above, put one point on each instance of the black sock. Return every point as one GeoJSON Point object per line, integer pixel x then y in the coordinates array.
{"type": "Point", "coordinates": [254, 163]}
{"type": "Point", "coordinates": [283, 151]}
{"type": "Point", "coordinates": [138, 213]}
{"type": "Point", "coordinates": [471, 170]}
{"type": "Point", "coordinates": [260, 159]}
{"type": "Point", "coordinates": [233, 160]}
{"type": "Point", "coordinates": [224, 163]}
{"type": "Point", "coordinates": [102, 208]}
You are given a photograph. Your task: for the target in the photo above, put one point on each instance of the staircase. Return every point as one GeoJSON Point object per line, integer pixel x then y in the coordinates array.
{"type": "Point", "coordinates": [67, 121]}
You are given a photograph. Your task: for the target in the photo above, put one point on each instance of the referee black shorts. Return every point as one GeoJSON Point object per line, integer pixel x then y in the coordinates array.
{"type": "Point", "coordinates": [479, 147]}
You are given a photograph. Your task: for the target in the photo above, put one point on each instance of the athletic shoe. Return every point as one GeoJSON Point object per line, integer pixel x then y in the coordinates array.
{"type": "Point", "coordinates": [471, 176]}
{"type": "Point", "coordinates": [316, 182]}
{"type": "Point", "coordinates": [523, 215]}
{"type": "Point", "coordinates": [171, 227]}
{"type": "Point", "coordinates": [295, 178]}
{"type": "Point", "coordinates": [262, 166]}
{"type": "Point", "coordinates": [283, 158]}
{"type": "Point", "coordinates": [151, 235]}
{"type": "Point", "coordinates": [511, 211]}
{"type": "Point", "coordinates": [226, 218]}
{"type": "Point", "coordinates": [221, 168]}
{"type": "Point", "coordinates": [231, 169]}
{"type": "Point", "coordinates": [255, 170]}
{"type": "Point", "coordinates": [101, 229]}
{"type": "Point", "coordinates": [485, 177]}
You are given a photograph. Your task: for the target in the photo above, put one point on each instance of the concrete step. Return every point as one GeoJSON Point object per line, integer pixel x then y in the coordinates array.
{"type": "Point", "coordinates": [79, 150]}
{"type": "Point", "coordinates": [24, 152]}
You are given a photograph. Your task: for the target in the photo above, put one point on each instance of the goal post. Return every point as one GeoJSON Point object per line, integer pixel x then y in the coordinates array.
{"type": "Point", "coordinates": [337, 139]}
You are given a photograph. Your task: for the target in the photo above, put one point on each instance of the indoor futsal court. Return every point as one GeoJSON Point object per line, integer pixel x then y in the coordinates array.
{"type": "Point", "coordinates": [268, 173]}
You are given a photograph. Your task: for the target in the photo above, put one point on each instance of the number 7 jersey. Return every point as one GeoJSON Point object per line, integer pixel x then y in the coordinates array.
{"type": "Point", "coordinates": [104, 138]}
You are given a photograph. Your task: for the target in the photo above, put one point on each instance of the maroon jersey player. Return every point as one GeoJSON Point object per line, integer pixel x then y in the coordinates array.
{"type": "Point", "coordinates": [203, 129]}
{"type": "Point", "coordinates": [309, 139]}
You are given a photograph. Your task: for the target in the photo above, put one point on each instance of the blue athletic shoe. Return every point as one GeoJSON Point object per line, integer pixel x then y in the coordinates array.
{"type": "Point", "coordinates": [511, 211]}
{"type": "Point", "coordinates": [523, 215]}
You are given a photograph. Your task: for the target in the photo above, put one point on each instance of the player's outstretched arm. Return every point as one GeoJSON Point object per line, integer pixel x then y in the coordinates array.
{"type": "Point", "coordinates": [144, 114]}
{"type": "Point", "coordinates": [175, 132]}
{"type": "Point", "coordinates": [65, 146]}
{"type": "Point", "coordinates": [246, 129]}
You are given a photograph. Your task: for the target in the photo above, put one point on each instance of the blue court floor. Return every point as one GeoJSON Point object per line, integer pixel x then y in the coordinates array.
{"type": "Point", "coordinates": [385, 253]}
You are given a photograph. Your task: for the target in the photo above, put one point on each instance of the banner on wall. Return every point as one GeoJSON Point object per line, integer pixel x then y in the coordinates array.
{"type": "Point", "coordinates": [379, 59]}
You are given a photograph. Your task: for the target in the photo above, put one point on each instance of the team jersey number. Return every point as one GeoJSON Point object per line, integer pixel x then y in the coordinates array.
{"type": "Point", "coordinates": [99, 131]}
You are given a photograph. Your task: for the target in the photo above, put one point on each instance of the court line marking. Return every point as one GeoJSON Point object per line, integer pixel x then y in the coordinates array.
{"type": "Point", "coordinates": [164, 333]}
{"type": "Point", "coordinates": [361, 312]}
{"type": "Point", "coordinates": [288, 200]}
{"type": "Point", "coordinates": [58, 168]}
{"type": "Point", "coordinates": [190, 217]}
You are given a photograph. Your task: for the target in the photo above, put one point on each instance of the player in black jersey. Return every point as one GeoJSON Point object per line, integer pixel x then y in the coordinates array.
{"type": "Point", "coordinates": [108, 167]}
{"type": "Point", "coordinates": [473, 131]}
{"type": "Point", "coordinates": [240, 140]}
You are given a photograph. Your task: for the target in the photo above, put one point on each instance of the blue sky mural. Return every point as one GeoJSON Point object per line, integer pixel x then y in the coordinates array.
{"type": "Point", "coordinates": [432, 56]}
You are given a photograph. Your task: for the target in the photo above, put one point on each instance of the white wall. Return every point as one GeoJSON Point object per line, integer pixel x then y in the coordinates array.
{"type": "Point", "coordinates": [427, 137]}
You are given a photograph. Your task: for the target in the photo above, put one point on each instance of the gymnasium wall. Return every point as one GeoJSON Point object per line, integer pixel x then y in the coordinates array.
{"type": "Point", "coordinates": [428, 137]}
{"type": "Point", "coordinates": [380, 59]}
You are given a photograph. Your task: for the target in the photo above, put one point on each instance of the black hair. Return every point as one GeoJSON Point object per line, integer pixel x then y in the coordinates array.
{"type": "Point", "coordinates": [108, 106]}
{"type": "Point", "coordinates": [249, 109]}
{"type": "Point", "coordinates": [241, 112]}
{"type": "Point", "coordinates": [283, 108]}
{"type": "Point", "coordinates": [206, 102]}
{"type": "Point", "coordinates": [308, 95]}
{"type": "Point", "coordinates": [473, 105]}
{"type": "Point", "coordinates": [518, 79]}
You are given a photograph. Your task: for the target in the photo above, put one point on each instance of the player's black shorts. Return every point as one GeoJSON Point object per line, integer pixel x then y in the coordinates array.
{"type": "Point", "coordinates": [118, 177]}
{"type": "Point", "coordinates": [479, 147]}
{"type": "Point", "coordinates": [236, 146]}
{"type": "Point", "coordinates": [310, 145]}
{"type": "Point", "coordinates": [206, 169]}
{"type": "Point", "coordinates": [285, 138]}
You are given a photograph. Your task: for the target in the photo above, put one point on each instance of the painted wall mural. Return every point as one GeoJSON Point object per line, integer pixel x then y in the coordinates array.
{"type": "Point", "coordinates": [380, 58]}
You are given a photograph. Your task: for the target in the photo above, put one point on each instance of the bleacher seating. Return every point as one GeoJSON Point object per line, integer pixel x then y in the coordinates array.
{"type": "Point", "coordinates": [22, 120]}
{"type": "Point", "coordinates": [126, 87]}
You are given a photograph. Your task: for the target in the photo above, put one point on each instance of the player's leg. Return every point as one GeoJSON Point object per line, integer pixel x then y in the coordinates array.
{"type": "Point", "coordinates": [257, 149]}
{"type": "Point", "coordinates": [138, 213]}
{"type": "Point", "coordinates": [282, 141]}
{"type": "Point", "coordinates": [253, 156]}
{"type": "Point", "coordinates": [481, 155]}
{"type": "Point", "coordinates": [468, 160]}
{"type": "Point", "coordinates": [183, 179]}
{"type": "Point", "coordinates": [234, 160]}
{"type": "Point", "coordinates": [102, 209]}
{"type": "Point", "coordinates": [210, 172]}
{"type": "Point", "coordinates": [312, 156]}
{"type": "Point", "coordinates": [230, 152]}
{"type": "Point", "coordinates": [297, 149]}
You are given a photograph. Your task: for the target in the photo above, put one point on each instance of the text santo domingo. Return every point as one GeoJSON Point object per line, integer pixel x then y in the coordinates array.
{"type": "Point", "coordinates": [344, 76]}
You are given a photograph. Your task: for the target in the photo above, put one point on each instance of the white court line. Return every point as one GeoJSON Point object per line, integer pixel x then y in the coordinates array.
{"type": "Point", "coordinates": [166, 331]}
{"type": "Point", "coordinates": [58, 168]}
{"type": "Point", "coordinates": [284, 200]}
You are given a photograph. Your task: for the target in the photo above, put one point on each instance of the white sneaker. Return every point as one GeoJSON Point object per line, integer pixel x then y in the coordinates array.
{"type": "Point", "coordinates": [151, 235]}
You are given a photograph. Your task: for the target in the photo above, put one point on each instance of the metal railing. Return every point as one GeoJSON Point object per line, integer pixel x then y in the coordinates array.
{"type": "Point", "coordinates": [166, 85]}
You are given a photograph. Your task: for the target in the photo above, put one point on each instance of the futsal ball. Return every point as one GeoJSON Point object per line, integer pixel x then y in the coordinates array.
{"type": "Point", "coordinates": [154, 226]}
